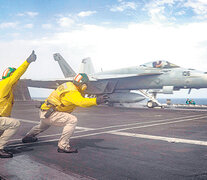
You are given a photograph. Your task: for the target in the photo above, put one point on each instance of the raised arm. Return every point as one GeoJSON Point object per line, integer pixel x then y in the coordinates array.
{"type": "Point", "coordinates": [21, 69]}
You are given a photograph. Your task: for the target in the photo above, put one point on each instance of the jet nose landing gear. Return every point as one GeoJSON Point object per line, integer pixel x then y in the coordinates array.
{"type": "Point", "coordinates": [151, 104]}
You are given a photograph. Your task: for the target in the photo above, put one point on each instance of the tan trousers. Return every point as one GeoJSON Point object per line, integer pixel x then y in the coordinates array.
{"type": "Point", "coordinates": [66, 120]}
{"type": "Point", "coordinates": [8, 127]}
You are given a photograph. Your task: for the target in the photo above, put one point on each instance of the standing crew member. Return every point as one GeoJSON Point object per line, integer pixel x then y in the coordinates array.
{"type": "Point", "coordinates": [8, 125]}
{"type": "Point", "coordinates": [57, 108]}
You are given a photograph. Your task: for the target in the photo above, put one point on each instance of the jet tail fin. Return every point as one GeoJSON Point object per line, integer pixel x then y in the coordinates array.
{"type": "Point", "coordinates": [65, 67]}
{"type": "Point", "coordinates": [86, 66]}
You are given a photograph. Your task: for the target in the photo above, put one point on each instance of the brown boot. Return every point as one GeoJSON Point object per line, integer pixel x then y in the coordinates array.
{"type": "Point", "coordinates": [4, 154]}
{"type": "Point", "coordinates": [29, 139]}
{"type": "Point", "coordinates": [68, 150]}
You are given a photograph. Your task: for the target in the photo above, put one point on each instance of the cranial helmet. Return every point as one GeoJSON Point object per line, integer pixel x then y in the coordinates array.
{"type": "Point", "coordinates": [80, 79]}
{"type": "Point", "coordinates": [8, 72]}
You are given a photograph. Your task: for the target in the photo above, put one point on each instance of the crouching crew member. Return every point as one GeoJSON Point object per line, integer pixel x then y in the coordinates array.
{"type": "Point", "coordinates": [8, 125]}
{"type": "Point", "coordinates": [57, 110]}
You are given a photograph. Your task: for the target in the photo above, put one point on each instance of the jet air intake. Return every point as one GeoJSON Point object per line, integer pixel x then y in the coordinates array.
{"type": "Point", "coordinates": [120, 97]}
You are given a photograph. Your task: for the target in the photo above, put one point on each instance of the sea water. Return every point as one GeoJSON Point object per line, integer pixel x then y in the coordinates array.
{"type": "Point", "coordinates": [199, 101]}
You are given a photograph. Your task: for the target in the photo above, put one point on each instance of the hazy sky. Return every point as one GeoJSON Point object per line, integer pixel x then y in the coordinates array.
{"type": "Point", "coordinates": [114, 33]}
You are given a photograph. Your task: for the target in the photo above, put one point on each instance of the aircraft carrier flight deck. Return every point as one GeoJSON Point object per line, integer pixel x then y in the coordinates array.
{"type": "Point", "coordinates": [114, 143]}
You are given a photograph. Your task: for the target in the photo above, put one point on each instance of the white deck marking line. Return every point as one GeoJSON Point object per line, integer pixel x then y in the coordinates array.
{"type": "Point", "coordinates": [124, 124]}
{"type": "Point", "coordinates": [182, 109]}
{"type": "Point", "coordinates": [162, 138]}
{"type": "Point", "coordinates": [156, 121]}
{"type": "Point", "coordinates": [53, 140]}
{"type": "Point", "coordinates": [50, 135]}
{"type": "Point", "coordinates": [28, 121]}
{"type": "Point", "coordinates": [91, 129]}
{"type": "Point", "coordinates": [37, 122]}
{"type": "Point", "coordinates": [84, 128]}
{"type": "Point", "coordinates": [112, 132]}
{"type": "Point", "coordinates": [158, 124]}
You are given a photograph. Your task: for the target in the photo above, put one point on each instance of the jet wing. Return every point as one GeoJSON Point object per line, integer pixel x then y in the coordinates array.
{"type": "Point", "coordinates": [94, 87]}
{"type": "Point", "coordinates": [50, 84]}
{"type": "Point", "coordinates": [102, 83]}
{"type": "Point", "coordinates": [117, 76]}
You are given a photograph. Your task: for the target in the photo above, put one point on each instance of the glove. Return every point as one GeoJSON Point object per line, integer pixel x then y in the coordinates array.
{"type": "Point", "coordinates": [102, 99]}
{"type": "Point", "coordinates": [32, 57]}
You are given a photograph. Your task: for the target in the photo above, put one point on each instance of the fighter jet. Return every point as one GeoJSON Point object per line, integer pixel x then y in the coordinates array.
{"type": "Point", "coordinates": [160, 76]}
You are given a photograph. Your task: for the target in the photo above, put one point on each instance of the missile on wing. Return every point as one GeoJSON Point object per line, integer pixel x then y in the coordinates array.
{"type": "Point", "coordinates": [120, 97]}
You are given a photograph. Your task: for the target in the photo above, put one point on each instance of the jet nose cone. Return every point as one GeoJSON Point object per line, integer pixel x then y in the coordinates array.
{"type": "Point", "coordinates": [205, 78]}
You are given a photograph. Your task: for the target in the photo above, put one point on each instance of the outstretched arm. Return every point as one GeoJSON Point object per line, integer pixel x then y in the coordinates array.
{"type": "Point", "coordinates": [76, 98]}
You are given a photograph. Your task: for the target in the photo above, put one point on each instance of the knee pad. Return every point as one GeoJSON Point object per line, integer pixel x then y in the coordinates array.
{"type": "Point", "coordinates": [16, 123]}
{"type": "Point", "coordinates": [73, 119]}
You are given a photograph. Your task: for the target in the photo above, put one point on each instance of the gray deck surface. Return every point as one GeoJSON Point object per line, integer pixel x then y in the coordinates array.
{"type": "Point", "coordinates": [114, 144]}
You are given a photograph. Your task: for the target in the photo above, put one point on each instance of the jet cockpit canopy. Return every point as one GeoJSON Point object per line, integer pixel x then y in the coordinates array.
{"type": "Point", "coordinates": [160, 64]}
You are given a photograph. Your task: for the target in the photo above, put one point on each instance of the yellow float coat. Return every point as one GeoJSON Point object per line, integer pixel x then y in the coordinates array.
{"type": "Point", "coordinates": [66, 98]}
{"type": "Point", "coordinates": [6, 90]}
